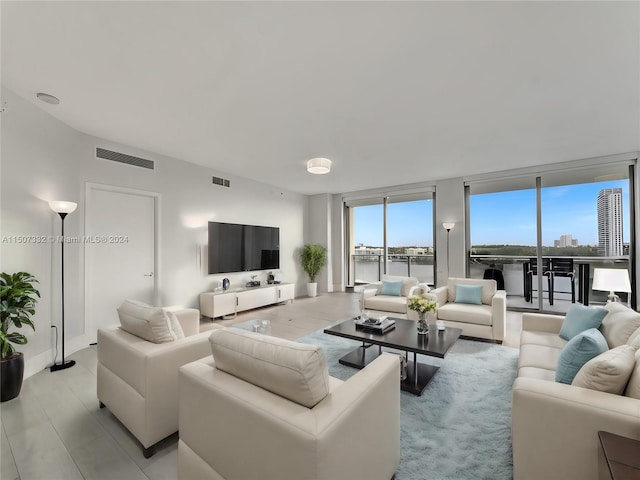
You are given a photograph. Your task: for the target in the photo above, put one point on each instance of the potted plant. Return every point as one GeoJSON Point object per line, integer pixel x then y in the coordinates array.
{"type": "Point", "coordinates": [17, 305]}
{"type": "Point", "coordinates": [313, 257]}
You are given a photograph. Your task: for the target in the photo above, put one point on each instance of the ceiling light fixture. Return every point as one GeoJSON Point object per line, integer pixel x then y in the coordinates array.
{"type": "Point", "coordinates": [46, 98]}
{"type": "Point", "coordinates": [319, 166]}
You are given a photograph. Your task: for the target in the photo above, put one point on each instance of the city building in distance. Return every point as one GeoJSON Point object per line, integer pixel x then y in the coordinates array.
{"type": "Point", "coordinates": [610, 222]}
{"type": "Point", "coordinates": [566, 241]}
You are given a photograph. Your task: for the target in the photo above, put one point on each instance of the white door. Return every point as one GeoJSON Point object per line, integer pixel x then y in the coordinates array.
{"type": "Point", "coordinates": [120, 253]}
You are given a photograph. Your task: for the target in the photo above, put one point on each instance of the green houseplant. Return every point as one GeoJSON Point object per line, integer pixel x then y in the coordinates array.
{"type": "Point", "coordinates": [18, 298]}
{"type": "Point", "coordinates": [313, 258]}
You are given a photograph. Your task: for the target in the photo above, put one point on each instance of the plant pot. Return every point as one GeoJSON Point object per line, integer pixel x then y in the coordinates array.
{"type": "Point", "coordinates": [11, 373]}
{"type": "Point", "coordinates": [312, 289]}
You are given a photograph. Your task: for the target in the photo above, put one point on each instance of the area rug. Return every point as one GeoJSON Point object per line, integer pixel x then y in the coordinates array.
{"type": "Point", "coordinates": [460, 428]}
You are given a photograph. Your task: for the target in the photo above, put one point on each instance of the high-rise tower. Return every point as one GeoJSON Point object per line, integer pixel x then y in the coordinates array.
{"type": "Point", "coordinates": [610, 222]}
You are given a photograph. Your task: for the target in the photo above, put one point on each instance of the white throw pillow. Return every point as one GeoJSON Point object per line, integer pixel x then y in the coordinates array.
{"type": "Point", "coordinates": [147, 322]}
{"type": "Point", "coordinates": [633, 387]}
{"type": "Point", "coordinates": [619, 324]}
{"type": "Point", "coordinates": [293, 370]}
{"type": "Point", "coordinates": [609, 371]}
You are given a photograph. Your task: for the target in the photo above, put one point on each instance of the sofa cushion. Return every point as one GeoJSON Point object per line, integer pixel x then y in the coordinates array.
{"type": "Point", "coordinates": [175, 324]}
{"type": "Point", "coordinates": [619, 324]}
{"type": "Point", "coordinates": [578, 351]}
{"type": "Point", "coordinates": [489, 288]}
{"type": "Point", "coordinates": [633, 387]}
{"type": "Point", "coordinates": [150, 323]}
{"type": "Point", "coordinates": [386, 303]}
{"type": "Point", "coordinates": [465, 313]}
{"type": "Point", "coordinates": [471, 294]}
{"type": "Point", "coordinates": [546, 339]}
{"type": "Point", "coordinates": [634, 339]}
{"type": "Point", "coordinates": [580, 318]}
{"type": "Point", "coordinates": [295, 371]}
{"type": "Point", "coordinates": [609, 371]}
{"type": "Point", "coordinates": [539, 356]}
{"type": "Point", "coordinates": [391, 288]}
{"type": "Point", "coordinates": [407, 283]}
{"type": "Point", "coordinates": [539, 373]}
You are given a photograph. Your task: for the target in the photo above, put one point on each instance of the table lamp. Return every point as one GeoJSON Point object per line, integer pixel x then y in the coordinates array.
{"type": "Point", "coordinates": [611, 280]}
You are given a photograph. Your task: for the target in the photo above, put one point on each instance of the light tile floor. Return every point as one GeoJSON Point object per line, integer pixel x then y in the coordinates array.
{"type": "Point", "coordinates": [55, 429]}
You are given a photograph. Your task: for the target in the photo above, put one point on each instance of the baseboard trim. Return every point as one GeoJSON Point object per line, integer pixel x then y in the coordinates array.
{"type": "Point", "coordinates": [44, 360]}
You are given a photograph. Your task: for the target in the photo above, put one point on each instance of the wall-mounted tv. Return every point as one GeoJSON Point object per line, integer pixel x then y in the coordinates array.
{"type": "Point", "coordinates": [241, 248]}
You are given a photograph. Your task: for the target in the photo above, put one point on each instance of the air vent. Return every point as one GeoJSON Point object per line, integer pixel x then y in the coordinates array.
{"type": "Point", "coordinates": [122, 158]}
{"type": "Point", "coordinates": [223, 182]}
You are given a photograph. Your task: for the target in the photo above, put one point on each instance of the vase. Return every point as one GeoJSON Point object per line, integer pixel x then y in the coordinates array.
{"type": "Point", "coordinates": [422, 325]}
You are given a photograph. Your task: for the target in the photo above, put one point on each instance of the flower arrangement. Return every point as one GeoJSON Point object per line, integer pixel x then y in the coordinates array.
{"type": "Point", "coordinates": [423, 303]}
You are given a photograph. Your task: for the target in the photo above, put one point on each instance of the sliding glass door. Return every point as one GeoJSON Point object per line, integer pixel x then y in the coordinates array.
{"type": "Point", "coordinates": [543, 241]}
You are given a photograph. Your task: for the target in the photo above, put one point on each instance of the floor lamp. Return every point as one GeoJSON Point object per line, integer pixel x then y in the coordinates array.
{"type": "Point", "coordinates": [448, 226]}
{"type": "Point", "coordinates": [62, 208]}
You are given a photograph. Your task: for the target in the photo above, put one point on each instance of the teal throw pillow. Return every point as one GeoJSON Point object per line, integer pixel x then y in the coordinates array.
{"type": "Point", "coordinates": [580, 318]}
{"type": "Point", "coordinates": [391, 288]}
{"type": "Point", "coordinates": [469, 294]}
{"type": "Point", "coordinates": [580, 349]}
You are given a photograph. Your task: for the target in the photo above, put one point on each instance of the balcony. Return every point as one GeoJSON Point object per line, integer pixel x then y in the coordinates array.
{"type": "Point", "coordinates": [370, 268]}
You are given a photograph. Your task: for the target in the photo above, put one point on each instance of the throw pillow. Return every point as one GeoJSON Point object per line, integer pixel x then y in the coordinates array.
{"type": "Point", "coordinates": [147, 322]}
{"type": "Point", "coordinates": [578, 351]}
{"type": "Point", "coordinates": [469, 294]}
{"type": "Point", "coordinates": [619, 324]}
{"type": "Point", "coordinates": [391, 288]}
{"type": "Point", "coordinates": [293, 370]}
{"type": "Point", "coordinates": [633, 387]}
{"type": "Point", "coordinates": [634, 339]}
{"type": "Point", "coordinates": [580, 318]}
{"type": "Point", "coordinates": [608, 372]}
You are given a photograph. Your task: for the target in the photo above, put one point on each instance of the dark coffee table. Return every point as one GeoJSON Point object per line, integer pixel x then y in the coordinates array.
{"type": "Point", "coordinates": [404, 337]}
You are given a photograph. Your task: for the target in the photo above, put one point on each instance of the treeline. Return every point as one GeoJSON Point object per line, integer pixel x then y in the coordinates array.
{"type": "Point", "coordinates": [529, 250]}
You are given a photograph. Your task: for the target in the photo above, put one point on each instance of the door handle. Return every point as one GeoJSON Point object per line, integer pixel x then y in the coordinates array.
{"type": "Point", "coordinates": [148, 274]}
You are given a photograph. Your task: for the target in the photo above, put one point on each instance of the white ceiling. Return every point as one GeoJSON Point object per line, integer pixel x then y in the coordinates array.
{"type": "Point", "coordinates": [392, 92]}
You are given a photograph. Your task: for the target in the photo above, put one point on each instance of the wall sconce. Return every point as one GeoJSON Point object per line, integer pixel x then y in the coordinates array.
{"type": "Point", "coordinates": [448, 226]}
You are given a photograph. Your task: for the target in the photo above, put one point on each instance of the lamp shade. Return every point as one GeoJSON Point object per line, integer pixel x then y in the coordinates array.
{"type": "Point", "coordinates": [60, 206]}
{"type": "Point", "coordinates": [448, 225]}
{"type": "Point", "coordinates": [319, 166]}
{"type": "Point", "coordinates": [611, 280]}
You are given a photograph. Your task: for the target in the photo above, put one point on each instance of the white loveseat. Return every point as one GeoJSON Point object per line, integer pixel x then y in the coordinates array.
{"type": "Point", "coordinates": [264, 408]}
{"type": "Point", "coordinates": [487, 320]}
{"type": "Point", "coordinates": [374, 299]}
{"type": "Point", "coordinates": [137, 380]}
{"type": "Point", "coordinates": [555, 425]}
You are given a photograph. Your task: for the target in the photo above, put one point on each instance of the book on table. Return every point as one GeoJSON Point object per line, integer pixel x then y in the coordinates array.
{"type": "Point", "coordinates": [375, 325]}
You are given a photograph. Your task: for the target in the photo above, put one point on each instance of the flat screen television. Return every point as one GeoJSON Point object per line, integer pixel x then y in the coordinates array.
{"type": "Point", "coordinates": [241, 248]}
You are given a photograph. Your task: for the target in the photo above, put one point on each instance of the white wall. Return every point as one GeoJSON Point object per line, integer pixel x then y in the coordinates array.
{"type": "Point", "coordinates": [43, 159]}
{"type": "Point", "coordinates": [450, 207]}
{"type": "Point", "coordinates": [319, 224]}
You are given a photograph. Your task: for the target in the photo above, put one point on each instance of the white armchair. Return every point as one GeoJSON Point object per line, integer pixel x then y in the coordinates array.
{"type": "Point", "coordinates": [374, 297]}
{"type": "Point", "coordinates": [265, 408]}
{"type": "Point", "coordinates": [484, 320]}
{"type": "Point", "coordinates": [137, 380]}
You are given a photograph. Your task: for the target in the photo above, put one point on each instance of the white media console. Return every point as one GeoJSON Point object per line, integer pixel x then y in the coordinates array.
{"type": "Point", "coordinates": [229, 302]}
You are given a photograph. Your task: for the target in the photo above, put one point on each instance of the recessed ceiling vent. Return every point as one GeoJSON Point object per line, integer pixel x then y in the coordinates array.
{"type": "Point", "coordinates": [123, 158]}
{"type": "Point", "coordinates": [223, 182]}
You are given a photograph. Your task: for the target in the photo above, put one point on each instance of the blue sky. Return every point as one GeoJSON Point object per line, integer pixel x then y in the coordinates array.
{"type": "Point", "coordinates": [498, 218]}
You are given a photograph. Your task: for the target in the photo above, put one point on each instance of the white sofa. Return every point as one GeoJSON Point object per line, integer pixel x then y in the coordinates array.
{"type": "Point", "coordinates": [487, 320]}
{"type": "Point", "coordinates": [554, 425]}
{"type": "Point", "coordinates": [265, 408]}
{"type": "Point", "coordinates": [372, 299]}
{"type": "Point", "coordinates": [137, 380]}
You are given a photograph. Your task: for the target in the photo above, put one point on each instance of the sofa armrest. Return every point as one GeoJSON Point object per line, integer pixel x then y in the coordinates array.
{"type": "Point", "coordinates": [499, 314]}
{"type": "Point", "coordinates": [189, 319]}
{"type": "Point", "coordinates": [415, 290]}
{"type": "Point", "coordinates": [555, 428]}
{"type": "Point", "coordinates": [441, 295]}
{"type": "Point", "coordinates": [370, 290]}
{"type": "Point", "coordinates": [542, 322]}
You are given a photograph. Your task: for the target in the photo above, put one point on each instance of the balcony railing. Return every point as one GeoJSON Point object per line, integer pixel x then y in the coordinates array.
{"type": "Point", "coordinates": [370, 268]}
